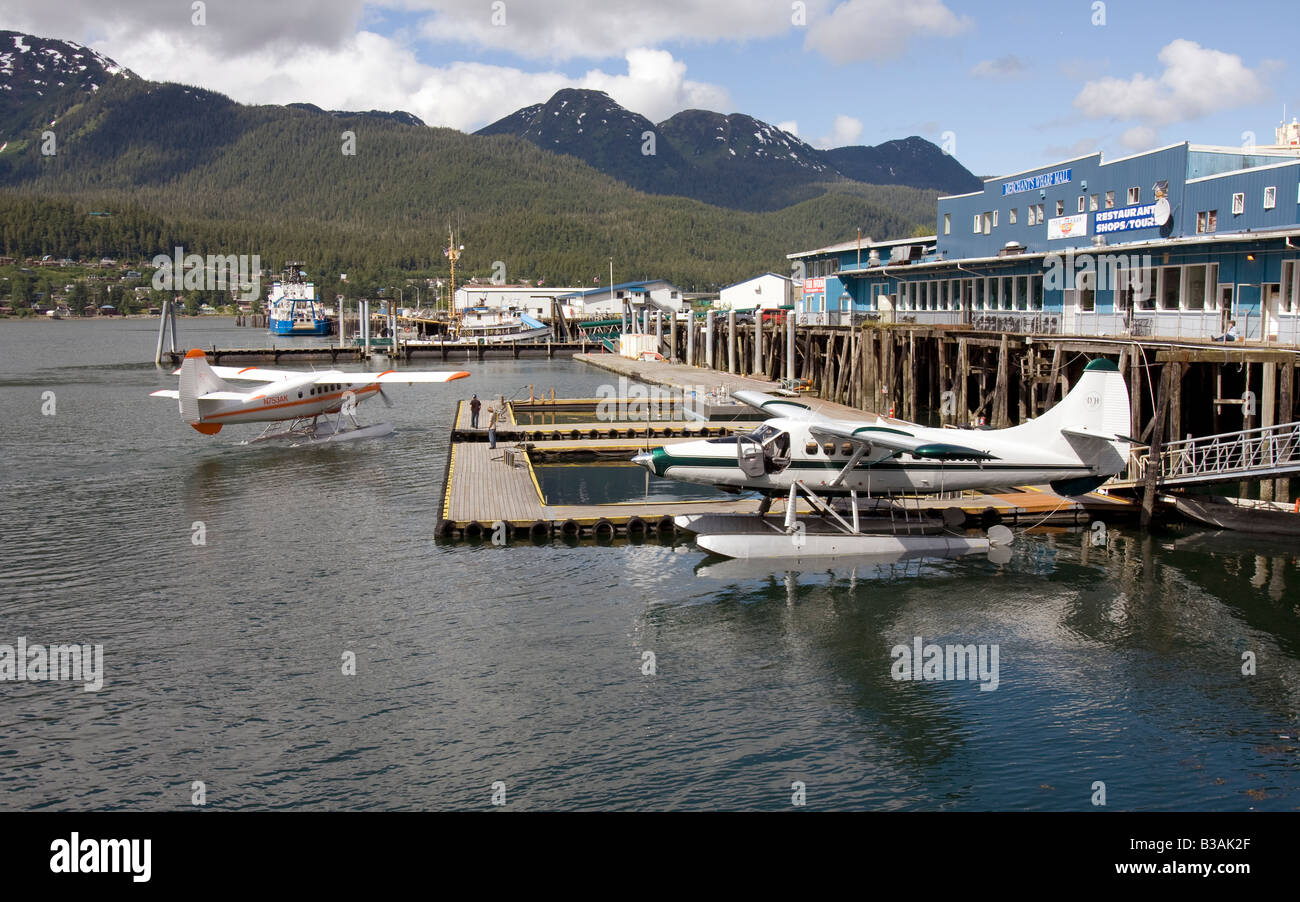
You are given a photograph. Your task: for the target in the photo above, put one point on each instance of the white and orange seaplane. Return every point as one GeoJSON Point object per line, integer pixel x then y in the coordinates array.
{"type": "Point", "coordinates": [210, 397]}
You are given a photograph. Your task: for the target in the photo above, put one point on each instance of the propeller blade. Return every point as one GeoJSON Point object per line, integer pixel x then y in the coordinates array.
{"type": "Point", "coordinates": [383, 396]}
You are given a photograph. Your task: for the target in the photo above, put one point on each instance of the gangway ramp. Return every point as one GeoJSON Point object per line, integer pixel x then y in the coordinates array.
{"type": "Point", "coordinates": [1267, 452]}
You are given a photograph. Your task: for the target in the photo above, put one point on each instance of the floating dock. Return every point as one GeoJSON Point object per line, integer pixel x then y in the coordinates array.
{"type": "Point", "coordinates": [492, 494]}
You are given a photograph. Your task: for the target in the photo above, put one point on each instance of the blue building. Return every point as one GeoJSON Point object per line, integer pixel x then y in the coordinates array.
{"type": "Point", "coordinates": [1181, 242]}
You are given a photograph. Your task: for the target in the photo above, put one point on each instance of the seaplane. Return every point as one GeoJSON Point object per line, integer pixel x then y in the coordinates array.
{"type": "Point", "coordinates": [1074, 447]}
{"type": "Point", "coordinates": [212, 397]}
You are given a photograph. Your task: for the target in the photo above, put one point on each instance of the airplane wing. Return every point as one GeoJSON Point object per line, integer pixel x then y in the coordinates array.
{"type": "Point", "coordinates": [252, 373]}
{"type": "Point", "coordinates": [774, 406]}
{"type": "Point", "coordinates": [393, 376]}
{"type": "Point", "coordinates": [895, 440]}
{"type": "Point", "coordinates": [210, 396]}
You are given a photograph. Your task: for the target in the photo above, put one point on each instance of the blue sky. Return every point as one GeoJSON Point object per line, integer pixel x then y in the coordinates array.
{"type": "Point", "coordinates": [1006, 86]}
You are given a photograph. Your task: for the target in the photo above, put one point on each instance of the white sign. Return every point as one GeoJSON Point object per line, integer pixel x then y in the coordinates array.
{"type": "Point", "coordinates": [1067, 226]}
{"type": "Point", "coordinates": [811, 285]}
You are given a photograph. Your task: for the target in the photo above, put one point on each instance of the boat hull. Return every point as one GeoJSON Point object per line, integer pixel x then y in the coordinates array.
{"type": "Point", "coordinates": [1258, 519]}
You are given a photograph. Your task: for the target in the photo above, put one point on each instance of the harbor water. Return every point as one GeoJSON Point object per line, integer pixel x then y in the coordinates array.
{"type": "Point", "coordinates": [230, 586]}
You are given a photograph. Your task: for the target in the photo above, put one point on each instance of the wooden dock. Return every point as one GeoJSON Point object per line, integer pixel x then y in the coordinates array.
{"type": "Point", "coordinates": [494, 492]}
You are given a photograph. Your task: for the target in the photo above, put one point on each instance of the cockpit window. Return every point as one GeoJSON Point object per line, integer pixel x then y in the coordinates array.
{"type": "Point", "coordinates": [763, 433]}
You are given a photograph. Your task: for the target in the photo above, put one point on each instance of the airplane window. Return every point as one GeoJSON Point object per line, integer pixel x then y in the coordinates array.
{"type": "Point", "coordinates": [763, 433]}
{"type": "Point", "coordinates": [810, 448]}
{"type": "Point", "coordinates": [830, 449]}
{"type": "Point", "coordinates": [847, 449]}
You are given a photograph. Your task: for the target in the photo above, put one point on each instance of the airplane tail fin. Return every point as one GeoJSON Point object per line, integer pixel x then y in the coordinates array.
{"type": "Point", "coordinates": [197, 378]}
{"type": "Point", "coordinates": [1091, 422]}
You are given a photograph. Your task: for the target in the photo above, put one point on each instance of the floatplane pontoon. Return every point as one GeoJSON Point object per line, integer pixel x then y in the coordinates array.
{"type": "Point", "coordinates": [210, 398]}
{"type": "Point", "coordinates": [1074, 447]}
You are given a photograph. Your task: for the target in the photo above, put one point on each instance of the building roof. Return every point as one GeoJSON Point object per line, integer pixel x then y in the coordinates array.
{"type": "Point", "coordinates": [756, 278]}
{"type": "Point", "coordinates": [867, 244]}
{"type": "Point", "coordinates": [604, 289]}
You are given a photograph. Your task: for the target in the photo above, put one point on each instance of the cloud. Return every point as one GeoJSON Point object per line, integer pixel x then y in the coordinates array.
{"type": "Point", "coordinates": [1139, 137]}
{"type": "Point", "coordinates": [789, 125]}
{"type": "Point", "coordinates": [845, 130]}
{"type": "Point", "coordinates": [872, 30]}
{"type": "Point", "coordinates": [230, 26]}
{"type": "Point", "coordinates": [1006, 67]}
{"type": "Point", "coordinates": [1196, 81]}
{"type": "Point", "coordinates": [371, 71]}
{"type": "Point", "coordinates": [579, 29]}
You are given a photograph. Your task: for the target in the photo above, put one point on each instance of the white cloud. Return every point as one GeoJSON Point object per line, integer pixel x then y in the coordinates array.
{"type": "Point", "coordinates": [789, 125]}
{"type": "Point", "coordinates": [231, 26]}
{"type": "Point", "coordinates": [845, 130]}
{"type": "Point", "coordinates": [1196, 81]}
{"type": "Point", "coordinates": [858, 30]}
{"type": "Point", "coordinates": [579, 29]}
{"type": "Point", "coordinates": [1009, 66]}
{"type": "Point", "coordinates": [370, 71]}
{"type": "Point", "coordinates": [1139, 137]}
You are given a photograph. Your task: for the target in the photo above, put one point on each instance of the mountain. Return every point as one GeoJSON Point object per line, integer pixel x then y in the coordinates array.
{"type": "Point", "coordinates": [41, 77]}
{"type": "Point", "coordinates": [734, 161]}
{"type": "Point", "coordinates": [400, 116]}
{"type": "Point", "coordinates": [910, 161]}
{"type": "Point", "coordinates": [181, 165]}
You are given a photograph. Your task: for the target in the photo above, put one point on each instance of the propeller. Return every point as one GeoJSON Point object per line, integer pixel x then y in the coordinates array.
{"type": "Point", "coordinates": [383, 396]}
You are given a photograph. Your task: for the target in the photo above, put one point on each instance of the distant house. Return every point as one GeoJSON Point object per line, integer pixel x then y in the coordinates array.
{"type": "Point", "coordinates": [766, 292]}
{"type": "Point", "coordinates": [7, 261]}
{"type": "Point", "coordinates": [533, 301]}
{"type": "Point", "coordinates": [107, 262]}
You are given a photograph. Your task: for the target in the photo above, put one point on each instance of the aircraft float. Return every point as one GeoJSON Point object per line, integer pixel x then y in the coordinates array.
{"type": "Point", "coordinates": [211, 397]}
{"type": "Point", "coordinates": [1074, 447]}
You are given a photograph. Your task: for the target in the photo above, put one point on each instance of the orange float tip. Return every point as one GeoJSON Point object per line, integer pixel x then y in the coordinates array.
{"type": "Point", "coordinates": [207, 428]}
{"type": "Point", "coordinates": [460, 375]}
{"type": "Point", "coordinates": [195, 352]}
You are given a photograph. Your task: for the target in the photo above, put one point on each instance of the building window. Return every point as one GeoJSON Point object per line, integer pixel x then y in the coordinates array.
{"type": "Point", "coordinates": [1134, 196]}
{"type": "Point", "coordinates": [1060, 208]}
{"type": "Point", "coordinates": [988, 222]}
{"type": "Point", "coordinates": [995, 219]}
{"type": "Point", "coordinates": [1086, 295]}
{"type": "Point", "coordinates": [1011, 216]}
{"type": "Point", "coordinates": [1082, 201]}
{"type": "Point", "coordinates": [1092, 202]}
{"type": "Point", "coordinates": [1171, 285]}
{"type": "Point", "coordinates": [1200, 222]}
{"type": "Point", "coordinates": [1238, 204]}
{"type": "Point", "coordinates": [1035, 292]}
{"type": "Point", "coordinates": [947, 223]}
{"type": "Point", "coordinates": [1194, 299]}
{"type": "Point", "coordinates": [1031, 217]}
{"type": "Point", "coordinates": [1212, 221]}
{"type": "Point", "coordinates": [1270, 197]}
{"type": "Point", "coordinates": [977, 223]}
{"type": "Point", "coordinates": [1110, 200]}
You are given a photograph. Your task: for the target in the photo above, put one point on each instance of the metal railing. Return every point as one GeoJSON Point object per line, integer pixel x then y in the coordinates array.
{"type": "Point", "coordinates": [1261, 452]}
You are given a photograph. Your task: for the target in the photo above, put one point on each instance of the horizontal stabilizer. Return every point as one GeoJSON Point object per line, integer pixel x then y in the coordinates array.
{"type": "Point", "coordinates": [774, 406]}
{"type": "Point", "coordinates": [166, 393]}
{"type": "Point", "coordinates": [1085, 432]}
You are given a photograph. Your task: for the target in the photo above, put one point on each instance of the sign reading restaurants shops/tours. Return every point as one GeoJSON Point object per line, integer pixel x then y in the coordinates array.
{"type": "Point", "coordinates": [1141, 216]}
{"type": "Point", "coordinates": [1067, 226]}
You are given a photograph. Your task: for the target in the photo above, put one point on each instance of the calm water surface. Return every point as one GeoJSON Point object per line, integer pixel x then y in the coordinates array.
{"type": "Point", "coordinates": [475, 664]}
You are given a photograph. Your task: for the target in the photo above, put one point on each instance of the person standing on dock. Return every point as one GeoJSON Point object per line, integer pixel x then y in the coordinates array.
{"type": "Point", "coordinates": [492, 427]}
{"type": "Point", "coordinates": [474, 405]}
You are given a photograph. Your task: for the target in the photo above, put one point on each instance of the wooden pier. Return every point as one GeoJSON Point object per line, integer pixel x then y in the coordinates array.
{"type": "Point", "coordinates": [493, 494]}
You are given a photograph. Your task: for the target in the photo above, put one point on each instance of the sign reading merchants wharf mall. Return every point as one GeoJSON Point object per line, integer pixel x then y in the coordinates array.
{"type": "Point", "coordinates": [1035, 182]}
